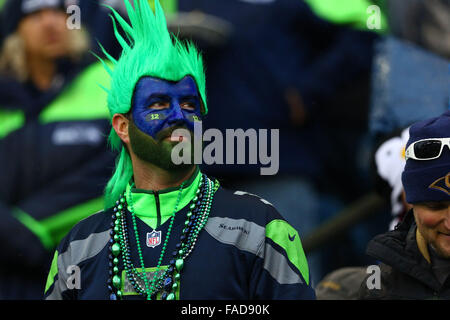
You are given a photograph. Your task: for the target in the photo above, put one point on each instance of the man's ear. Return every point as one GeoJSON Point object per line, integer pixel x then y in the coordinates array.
{"type": "Point", "coordinates": [202, 107]}
{"type": "Point", "coordinates": [407, 205]}
{"type": "Point", "coordinates": [120, 124]}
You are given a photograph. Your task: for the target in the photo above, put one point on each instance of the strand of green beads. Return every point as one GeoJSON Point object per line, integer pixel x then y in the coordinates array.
{"type": "Point", "coordinates": [186, 248]}
{"type": "Point", "coordinates": [115, 251]}
{"type": "Point", "coordinates": [161, 278]}
{"type": "Point", "coordinates": [126, 257]}
{"type": "Point", "coordinates": [141, 257]}
{"type": "Point", "coordinates": [204, 208]}
{"type": "Point", "coordinates": [179, 262]}
{"type": "Point", "coordinates": [208, 206]}
{"type": "Point", "coordinates": [203, 221]}
{"type": "Point", "coordinates": [160, 282]}
{"type": "Point", "coordinates": [206, 215]}
{"type": "Point", "coordinates": [201, 209]}
{"type": "Point", "coordinates": [118, 238]}
{"type": "Point", "coordinates": [163, 250]}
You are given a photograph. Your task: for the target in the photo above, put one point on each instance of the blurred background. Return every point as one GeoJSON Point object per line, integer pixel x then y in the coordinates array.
{"type": "Point", "coordinates": [341, 80]}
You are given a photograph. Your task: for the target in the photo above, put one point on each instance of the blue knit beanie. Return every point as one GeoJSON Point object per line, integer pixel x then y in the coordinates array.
{"type": "Point", "coordinates": [428, 180]}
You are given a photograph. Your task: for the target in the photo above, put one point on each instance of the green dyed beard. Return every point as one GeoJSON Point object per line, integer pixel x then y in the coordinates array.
{"type": "Point", "coordinates": [157, 152]}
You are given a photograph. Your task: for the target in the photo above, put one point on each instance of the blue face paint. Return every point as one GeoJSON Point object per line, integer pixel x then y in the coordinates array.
{"type": "Point", "coordinates": [159, 104]}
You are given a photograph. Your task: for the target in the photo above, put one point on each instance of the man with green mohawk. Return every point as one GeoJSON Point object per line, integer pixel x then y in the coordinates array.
{"type": "Point", "coordinates": [168, 231]}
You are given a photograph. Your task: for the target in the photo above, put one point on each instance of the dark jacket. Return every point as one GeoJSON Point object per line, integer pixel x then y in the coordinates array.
{"type": "Point", "coordinates": [405, 273]}
{"type": "Point", "coordinates": [246, 250]}
{"type": "Point", "coordinates": [54, 164]}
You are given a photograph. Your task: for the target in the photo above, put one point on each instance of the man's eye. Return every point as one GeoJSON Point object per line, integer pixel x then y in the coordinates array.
{"type": "Point", "coordinates": [159, 105]}
{"type": "Point", "coordinates": [436, 206]}
{"type": "Point", "coordinates": [188, 106]}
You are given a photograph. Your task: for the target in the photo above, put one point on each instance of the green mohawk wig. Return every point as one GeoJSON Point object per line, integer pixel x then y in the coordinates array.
{"type": "Point", "coordinates": [149, 50]}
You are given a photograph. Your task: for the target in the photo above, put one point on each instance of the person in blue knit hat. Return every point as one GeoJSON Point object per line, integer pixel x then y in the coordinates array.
{"type": "Point", "coordinates": [415, 257]}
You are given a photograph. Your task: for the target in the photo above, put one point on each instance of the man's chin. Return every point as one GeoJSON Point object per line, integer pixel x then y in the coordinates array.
{"type": "Point", "coordinates": [164, 159]}
{"type": "Point", "coordinates": [169, 166]}
{"type": "Point", "coordinates": [157, 152]}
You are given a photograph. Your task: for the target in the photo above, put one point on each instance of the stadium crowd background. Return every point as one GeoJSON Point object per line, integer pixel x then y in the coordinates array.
{"type": "Point", "coordinates": [338, 78]}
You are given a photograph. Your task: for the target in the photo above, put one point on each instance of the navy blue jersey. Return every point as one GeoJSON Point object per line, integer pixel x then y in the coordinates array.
{"type": "Point", "coordinates": [245, 251]}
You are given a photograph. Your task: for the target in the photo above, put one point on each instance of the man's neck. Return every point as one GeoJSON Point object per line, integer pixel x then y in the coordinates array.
{"type": "Point", "coordinates": [422, 245]}
{"type": "Point", "coordinates": [150, 177]}
{"type": "Point", "coordinates": [41, 71]}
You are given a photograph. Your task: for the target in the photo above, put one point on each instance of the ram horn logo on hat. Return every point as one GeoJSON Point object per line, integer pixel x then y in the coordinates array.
{"type": "Point", "coordinates": [442, 184]}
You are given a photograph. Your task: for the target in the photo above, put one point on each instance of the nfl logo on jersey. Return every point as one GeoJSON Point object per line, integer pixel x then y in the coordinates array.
{"type": "Point", "coordinates": [153, 239]}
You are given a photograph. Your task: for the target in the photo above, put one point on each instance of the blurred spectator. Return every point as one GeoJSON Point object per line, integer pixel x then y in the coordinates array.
{"type": "Point", "coordinates": [276, 64]}
{"type": "Point", "coordinates": [422, 22]}
{"type": "Point", "coordinates": [358, 14]}
{"type": "Point", "coordinates": [409, 83]}
{"type": "Point", "coordinates": [54, 161]}
{"type": "Point", "coordinates": [341, 284]}
{"type": "Point", "coordinates": [390, 161]}
{"type": "Point", "coordinates": [411, 75]}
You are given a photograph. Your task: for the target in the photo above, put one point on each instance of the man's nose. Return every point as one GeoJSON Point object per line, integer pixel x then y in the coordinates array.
{"type": "Point", "coordinates": [177, 113]}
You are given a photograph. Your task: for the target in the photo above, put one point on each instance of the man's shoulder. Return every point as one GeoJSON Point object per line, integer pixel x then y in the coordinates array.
{"type": "Point", "coordinates": [96, 225]}
{"type": "Point", "coordinates": [237, 204]}
{"type": "Point", "coordinates": [390, 283]}
{"type": "Point", "coordinates": [243, 210]}
{"type": "Point", "coordinates": [253, 224]}
{"type": "Point", "coordinates": [395, 242]}
{"type": "Point", "coordinates": [241, 218]}
{"type": "Point", "coordinates": [232, 208]}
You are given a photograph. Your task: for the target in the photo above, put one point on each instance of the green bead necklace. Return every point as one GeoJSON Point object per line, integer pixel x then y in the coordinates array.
{"type": "Point", "coordinates": [150, 289]}
{"type": "Point", "coordinates": [200, 205]}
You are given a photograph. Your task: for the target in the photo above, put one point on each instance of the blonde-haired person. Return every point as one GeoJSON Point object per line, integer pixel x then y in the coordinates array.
{"type": "Point", "coordinates": [54, 160]}
{"type": "Point", "coordinates": [39, 41]}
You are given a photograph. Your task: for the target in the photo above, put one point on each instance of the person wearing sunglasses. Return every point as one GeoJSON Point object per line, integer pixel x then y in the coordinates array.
{"type": "Point", "coordinates": [415, 256]}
